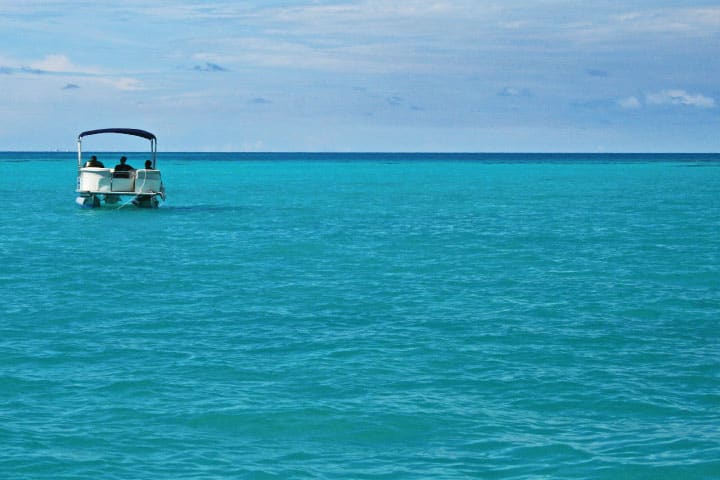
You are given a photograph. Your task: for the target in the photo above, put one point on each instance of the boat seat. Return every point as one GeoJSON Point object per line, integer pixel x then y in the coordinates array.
{"type": "Point", "coordinates": [147, 181]}
{"type": "Point", "coordinates": [95, 179]}
{"type": "Point", "coordinates": [120, 184]}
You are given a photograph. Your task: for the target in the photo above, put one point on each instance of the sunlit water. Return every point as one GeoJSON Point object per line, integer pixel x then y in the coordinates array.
{"type": "Point", "coordinates": [364, 316]}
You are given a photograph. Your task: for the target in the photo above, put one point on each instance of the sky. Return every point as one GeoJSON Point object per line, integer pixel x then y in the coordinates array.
{"type": "Point", "coordinates": [364, 75]}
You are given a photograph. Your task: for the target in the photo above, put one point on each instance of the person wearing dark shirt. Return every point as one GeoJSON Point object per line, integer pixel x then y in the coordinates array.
{"type": "Point", "coordinates": [148, 165]}
{"type": "Point", "coordinates": [122, 169]}
{"type": "Point", "coordinates": [122, 166]}
{"type": "Point", "coordinates": [94, 162]}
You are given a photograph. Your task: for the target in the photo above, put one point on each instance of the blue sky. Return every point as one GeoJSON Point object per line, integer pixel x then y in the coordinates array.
{"type": "Point", "coordinates": [365, 75]}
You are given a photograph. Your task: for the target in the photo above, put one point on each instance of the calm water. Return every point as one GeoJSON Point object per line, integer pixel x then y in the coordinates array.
{"type": "Point", "coordinates": [364, 316]}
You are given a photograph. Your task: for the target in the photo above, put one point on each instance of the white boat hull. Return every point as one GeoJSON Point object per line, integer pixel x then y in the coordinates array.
{"type": "Point", "coordinates": [104, 186]}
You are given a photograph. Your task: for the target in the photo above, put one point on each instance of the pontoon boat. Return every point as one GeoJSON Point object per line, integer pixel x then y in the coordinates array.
{"type": "Point", "coordinates": [98, 184]}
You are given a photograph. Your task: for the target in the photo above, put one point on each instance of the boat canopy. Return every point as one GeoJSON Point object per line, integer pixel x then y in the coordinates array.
{"type": "Point", "coordinates": [127, 131]}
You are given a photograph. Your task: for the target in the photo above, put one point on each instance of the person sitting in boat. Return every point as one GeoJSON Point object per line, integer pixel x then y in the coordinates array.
{"type": "Point", "coordinates": [122, 168]}
{"type": "Point", "coordinates": [94, 162]}
{"type": "Point", "coordinates": [148, 165]}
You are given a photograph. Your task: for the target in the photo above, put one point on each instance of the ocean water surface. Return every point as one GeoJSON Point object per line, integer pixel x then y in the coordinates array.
{"type": "Point", "coordinates": [333, 316]}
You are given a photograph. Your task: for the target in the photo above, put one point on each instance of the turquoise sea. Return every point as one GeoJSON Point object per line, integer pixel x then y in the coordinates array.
{"type": "Point", "coordinates": [364, 316]}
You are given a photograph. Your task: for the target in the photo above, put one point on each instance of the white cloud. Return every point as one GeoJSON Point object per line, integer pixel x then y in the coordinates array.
{"type": "Point", "coordinates": [514, 92]}
{"type": "Point", "coordinates": [668, 97]}
{"type": "Point", "coordinates": [312, 11]}
{"type": "Point", "coordinates": [679, 97]}
{"type": "Point", "coordinates": [61, 65]}
{"type": "Point", "coordinates": [123, 83]}
{"type": "Point", "coordinates": [54, 63]}
{"type": "Point", "coordinates": [373, 10]}
{"type": "Point", "coordinates": [612, 25]}
{"type": "Point", "coordinates": [629, 103]}
{"type": "Point", "coordinates": [368, 36]}
{"type": "Point", "coordinates": [689, 20]}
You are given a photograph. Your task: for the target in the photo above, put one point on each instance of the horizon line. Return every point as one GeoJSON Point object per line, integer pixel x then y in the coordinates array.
{"type": "Point", "coordinates": [380, 152]}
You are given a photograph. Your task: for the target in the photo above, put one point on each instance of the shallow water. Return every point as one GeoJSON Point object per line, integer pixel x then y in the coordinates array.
{"type": "Point", "coordinates": [364, 316]}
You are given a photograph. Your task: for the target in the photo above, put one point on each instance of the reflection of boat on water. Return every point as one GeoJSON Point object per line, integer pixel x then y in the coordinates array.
{"type": "Point", "coordinates": [98, 184]}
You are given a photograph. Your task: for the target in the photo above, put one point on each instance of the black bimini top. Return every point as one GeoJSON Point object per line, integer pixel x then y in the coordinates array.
{"type": "Point", "coordinates": [127, 131]}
